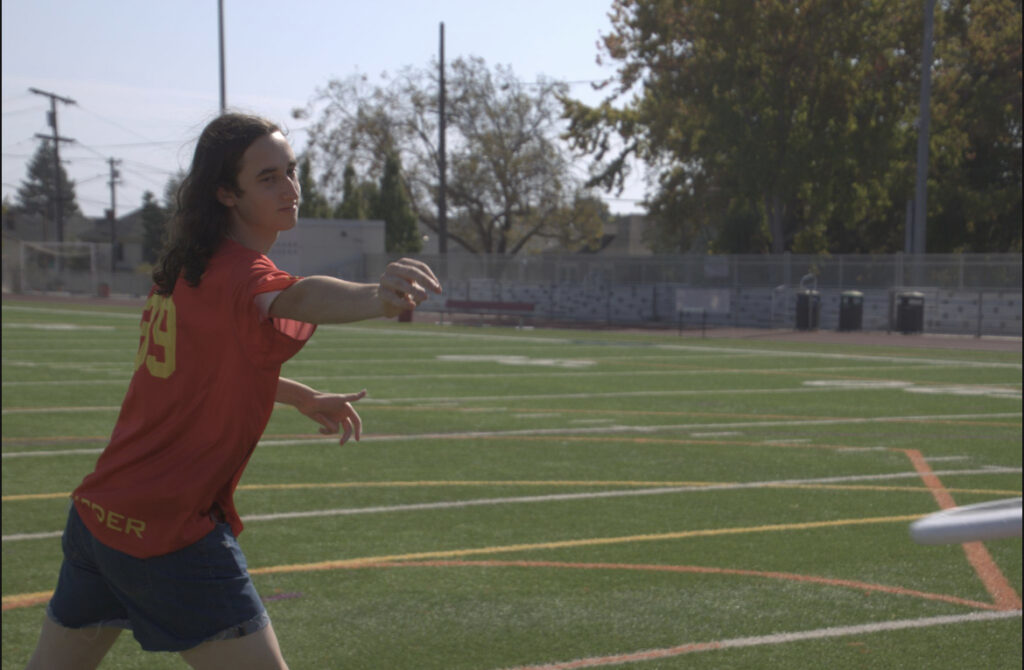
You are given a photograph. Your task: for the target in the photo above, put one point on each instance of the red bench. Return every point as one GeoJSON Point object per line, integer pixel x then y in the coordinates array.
{"type": "Point", "coordinates": [489, 308]}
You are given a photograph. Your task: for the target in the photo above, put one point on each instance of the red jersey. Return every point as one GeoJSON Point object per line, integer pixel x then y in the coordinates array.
{"type": "Point", "coordinates": [205, 380]}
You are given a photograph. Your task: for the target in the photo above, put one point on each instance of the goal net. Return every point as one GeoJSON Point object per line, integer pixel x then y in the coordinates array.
{"type": "Point", "coordinates": [67, 267]}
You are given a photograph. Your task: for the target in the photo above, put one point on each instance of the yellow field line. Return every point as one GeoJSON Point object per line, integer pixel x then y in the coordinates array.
{"type": "Point", "coordinates": [568, 544]}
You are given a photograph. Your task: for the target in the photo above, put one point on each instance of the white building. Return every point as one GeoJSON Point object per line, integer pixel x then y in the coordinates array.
{"type": "Point", "coordinates": [335, 247]}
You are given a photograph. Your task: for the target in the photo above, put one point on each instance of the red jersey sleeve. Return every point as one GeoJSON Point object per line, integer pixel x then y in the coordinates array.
{"type": "Point", "coordinates": [274, 340]}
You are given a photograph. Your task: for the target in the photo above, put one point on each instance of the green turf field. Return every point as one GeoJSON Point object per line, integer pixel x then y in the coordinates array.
{"type": "Point", "coordinates": [556, 499]}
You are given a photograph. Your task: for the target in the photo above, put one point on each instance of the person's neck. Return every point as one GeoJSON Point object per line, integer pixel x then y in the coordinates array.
{"type": "Point", "coordinates": [249, 239]}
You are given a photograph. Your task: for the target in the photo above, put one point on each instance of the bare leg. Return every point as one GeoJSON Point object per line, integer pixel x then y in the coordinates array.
{"type": "Point", "coordinates": [258, 651]}
{"type": "Point", "coordinates": [61, 648]}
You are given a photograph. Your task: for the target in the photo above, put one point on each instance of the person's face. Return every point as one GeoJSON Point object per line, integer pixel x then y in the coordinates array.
{"type": "Point", "coordinates": [267, 200]}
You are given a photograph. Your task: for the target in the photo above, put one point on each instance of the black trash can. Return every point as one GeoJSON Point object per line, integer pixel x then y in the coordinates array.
{"type": "Point", "coordinates": [808, 310]}
{"type": "Point", "coordinates": [910, 312]}
{"type": "Point", "coordinates": [851, 310]}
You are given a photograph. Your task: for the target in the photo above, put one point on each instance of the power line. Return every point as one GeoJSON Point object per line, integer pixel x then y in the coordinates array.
{"type": "Point", "coordinates": [115, 124]}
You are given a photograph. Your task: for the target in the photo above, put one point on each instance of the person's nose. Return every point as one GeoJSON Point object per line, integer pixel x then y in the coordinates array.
{"type": "Point", "coordinates": [293, 191]}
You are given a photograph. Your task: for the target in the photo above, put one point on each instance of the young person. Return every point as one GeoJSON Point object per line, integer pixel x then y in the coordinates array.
{"type": "Point", "coordinates": [150, 540]}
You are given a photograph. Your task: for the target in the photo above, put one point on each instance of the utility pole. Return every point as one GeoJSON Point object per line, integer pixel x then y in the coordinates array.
{"type": "Point", "coordinates": [442, 161]}
{"type": "Point", "coordinates": [51, 119]}
{"type": "Point", "coordinates": [220, 30]}
{"type": "Point", "coordinates": [112, 212]}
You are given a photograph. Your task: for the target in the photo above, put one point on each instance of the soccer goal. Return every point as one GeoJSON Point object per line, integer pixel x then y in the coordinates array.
{"type": "Point", "coordinates": [64, 267]}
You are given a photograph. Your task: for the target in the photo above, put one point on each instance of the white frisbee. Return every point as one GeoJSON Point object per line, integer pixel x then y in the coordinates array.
{"type": "Point", "coordinates": [985, 521]}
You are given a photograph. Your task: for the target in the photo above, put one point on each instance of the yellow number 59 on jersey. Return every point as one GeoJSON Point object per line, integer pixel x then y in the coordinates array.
{"type": "Point", "coordinates": [158, 326]}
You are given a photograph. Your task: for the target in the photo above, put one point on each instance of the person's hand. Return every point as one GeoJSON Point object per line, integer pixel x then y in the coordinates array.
{"type": "Point", "coordinates": [404, 285]}
{"type": "Point", "coordinates": [334, 413]}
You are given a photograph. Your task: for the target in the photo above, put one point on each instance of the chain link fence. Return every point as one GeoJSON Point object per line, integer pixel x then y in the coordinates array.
{"type": "Point", "coordinates": [962, 293]}
{"type": "Point", "coordinates": [978, 294]}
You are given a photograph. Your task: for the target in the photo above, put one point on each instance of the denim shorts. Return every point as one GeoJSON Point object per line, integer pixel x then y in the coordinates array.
{"type": "Point", "coordinates": [172, 602]}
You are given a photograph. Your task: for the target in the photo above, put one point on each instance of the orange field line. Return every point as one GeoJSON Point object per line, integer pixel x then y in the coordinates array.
{"type": "Point", "coordinates": [996, 583]}
{"type": "Point", "coordinates": [694, 569]}
{"type": "Point", "coordinates": [28, 599]}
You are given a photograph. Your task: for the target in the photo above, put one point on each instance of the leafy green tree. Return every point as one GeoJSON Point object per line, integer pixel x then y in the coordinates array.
{"type": "Point", "coordinates": [35, 196]}
{"type": "Point", "coordinates": [786, 120]}
{"type": "Point", "coordinates": [974, 201]}
{"type": "Point", "coordinates": [154, 226]}
{"type": "Point", "coordinates": [401, 234]}
{"type": "Point", "coordinates": [507, 169]}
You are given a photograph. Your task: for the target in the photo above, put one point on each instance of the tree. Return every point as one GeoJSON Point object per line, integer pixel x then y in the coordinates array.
{"type": "Point", "coordinates": [35, 196]}
{"type": "Point", "coordinates": [171, 190]}
{"type": "Point", "coordinates": [507, 172]}
{"type": "Point", "coordinates": [400, 232]}
{"type": "Point", "coordinates": [788, 121]}
{"type": "Point", "coordinates": [313, 205]}
{"type": "Point", "coordinates": [154, 226]}
{"type": "Point", "coordinates": [975, 179]}
{"type": "Point", "coordinates": [358, 198]}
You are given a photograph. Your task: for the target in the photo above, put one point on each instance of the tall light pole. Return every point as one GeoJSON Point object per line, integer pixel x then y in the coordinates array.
{"type": "Point", "coordinates": [220, 30]}
{"type": "Point", "coordinates": [923, 128]}
{"type": "Point", "coordinates": [442, 159]}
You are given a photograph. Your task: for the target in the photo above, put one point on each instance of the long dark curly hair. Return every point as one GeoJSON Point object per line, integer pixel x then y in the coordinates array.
{"type": "Point", "coordinates": [200, 222]}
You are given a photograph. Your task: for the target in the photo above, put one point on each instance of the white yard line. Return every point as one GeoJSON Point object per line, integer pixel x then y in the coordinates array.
{"type": "Point", "coordinates": [586, 430]}
{"type": "Point", "coordinates": [564, 497]}
{"type": "Point", "coordinates": [775, 638]}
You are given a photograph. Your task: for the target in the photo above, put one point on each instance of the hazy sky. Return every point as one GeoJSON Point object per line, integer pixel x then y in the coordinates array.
{"type": "Point", "coordinates": [144, 74]}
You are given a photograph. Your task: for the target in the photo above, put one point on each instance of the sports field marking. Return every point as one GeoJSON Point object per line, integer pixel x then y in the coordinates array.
{"type": "Point", "coordinates": [504, 375]}
{"type": "Point", "coordinates": [508, 359]}
{"type": "Point", "coordinates": [846, 357]}
{"type": "Point", "coordinates": [821, 482]}
{"type": "Point", "coordinates": [776, 638]}
{"type": "Point", "coordinates": [988, 571]}
{"type": "Point", "coordinates": [528, 339]}
{"type": "Point", "coordinates": [689, 569]}
{"type": "Point", "coordinates": [134, 315]}
{"type": "Point", "coordinates": [570, 544]}
{"type": "Point", "coordinates": [545, 483]}
{"type": "Point", "coordinates": [54, 326]}
{"type": "Point", "coordinates": [595, 433]}
{"type": "Point", "coordinates": [21, 600]}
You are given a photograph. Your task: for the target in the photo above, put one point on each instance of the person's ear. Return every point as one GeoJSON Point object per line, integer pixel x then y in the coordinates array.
{"type": "Point", "coordinates": [226, 196]}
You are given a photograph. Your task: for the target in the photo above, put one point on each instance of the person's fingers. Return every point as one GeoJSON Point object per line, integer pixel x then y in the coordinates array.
{"type": "Point", "coordinates": [346, 435]}
{"type": "Point", "coordinates": [417, 271]}
{"type": "Point", "coordinates": [357, 424]}
{"type": "Point", "coordinates": [402, 287]}
{"type": "Point", "coordinates": [353, 397]}
{"type": "Point", "coordinates": [329, 425]}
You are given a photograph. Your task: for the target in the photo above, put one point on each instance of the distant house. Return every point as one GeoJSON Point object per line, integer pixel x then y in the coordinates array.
{"type": "Point", "coordinates": [125, 236]}
{"type": "Point", "coordinates": [36, 228]}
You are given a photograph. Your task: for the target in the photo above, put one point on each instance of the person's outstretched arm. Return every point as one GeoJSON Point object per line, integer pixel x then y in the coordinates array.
{"type": "Point", "coordinates": [318, 299]}
{"type": "Point", "coordinates": [333, 411]}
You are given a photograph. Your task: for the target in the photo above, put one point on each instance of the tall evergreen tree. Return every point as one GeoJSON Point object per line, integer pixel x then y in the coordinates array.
{"type": "Point", "coordinates": [393, 207]}
{"type": "Point", "coordinates": [35, 196]}
{"type": "Point", "coordinates": [313, 205]}
{"type": "Point", "coordinates": [358, 198]}
{"type": "Point", "coordinates": [154, 226]}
